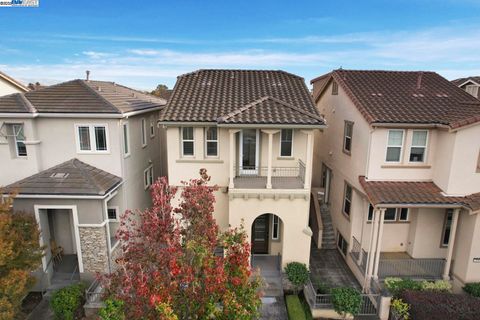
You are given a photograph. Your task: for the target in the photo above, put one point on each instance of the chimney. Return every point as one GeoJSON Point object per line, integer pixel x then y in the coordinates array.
{"type": "Point", "coordinates": [419, 80]}
{"type": "Point", "coordinates": [88, 75]}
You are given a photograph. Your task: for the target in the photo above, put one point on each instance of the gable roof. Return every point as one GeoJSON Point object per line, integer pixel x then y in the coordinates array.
{"type": "Point", "coordinates": [14, 82]}
{"type": "Point", "coordinates": [461, 81]}
{"type": "Point", "coordinates": [81, 96]}
{"type": "Point", "coordinates": [415, 97]}
{"type": "Point", "coordinates": [74, 178]}
{"type": "Point", "coordinates": [241, 97]}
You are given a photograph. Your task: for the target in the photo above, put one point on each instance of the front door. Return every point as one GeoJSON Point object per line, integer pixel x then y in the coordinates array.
{"type": "Point", "coordinates": [260, 235]}
{"type": "Point", "coordinates": [249, 151]}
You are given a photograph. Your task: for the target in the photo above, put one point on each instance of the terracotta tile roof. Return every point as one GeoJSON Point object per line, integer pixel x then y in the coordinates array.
{"type": "Point", "coordinates": [73, 177]}
{"type": "Point", "coordinates": [242, 96]}
{"type": "Point", "coordinates": [414, 193]}
{"type": "Point", "coordinates": [81, 96]}
{"type": "Point", "coordinates": [406, 97]}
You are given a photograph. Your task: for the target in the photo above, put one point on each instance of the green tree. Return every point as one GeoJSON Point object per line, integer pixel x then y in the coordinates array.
{"type": "Point", "coordinates": [161, 90]}
{"type": "Point", "coordinates": [20, 254]}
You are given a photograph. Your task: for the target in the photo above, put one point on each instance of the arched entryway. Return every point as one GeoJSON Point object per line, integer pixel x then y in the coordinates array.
{"type": "Point", "coordinates": [267, 234]}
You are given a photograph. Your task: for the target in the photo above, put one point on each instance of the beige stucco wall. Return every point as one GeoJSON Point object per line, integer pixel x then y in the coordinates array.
{"type": "Point", "coordinates": [7, 88]}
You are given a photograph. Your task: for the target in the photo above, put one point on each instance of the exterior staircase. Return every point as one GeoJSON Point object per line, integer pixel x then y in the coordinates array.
{"type": "Point", "coordinates": [328, 236]}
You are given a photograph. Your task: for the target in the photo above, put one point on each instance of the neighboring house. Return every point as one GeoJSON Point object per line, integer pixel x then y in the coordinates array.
{"type": "Point", "coordinates": [400, 164]}
{"type": "Point", "coordinates": [253, 132]}
{"type": "Point", "coordinates": [79, 154]}
{"type": "Point", "coordinates": [9, 85]}
{"type": "Point", "coordinates": [470, 84]}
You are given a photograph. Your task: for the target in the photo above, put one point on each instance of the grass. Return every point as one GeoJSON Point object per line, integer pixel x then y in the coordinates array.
{"type": "Point", "coordinates": [295, 308]}
{"type": "Point", "coordinates": [306, 308]}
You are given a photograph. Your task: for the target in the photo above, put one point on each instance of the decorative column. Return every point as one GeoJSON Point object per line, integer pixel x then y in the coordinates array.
{"type": "Point", "coordinates": [451, 242]}
{"type": "Point", "coordinates": [269, 160]}
{"type": "Point", "coordinates": [371, 249]}
{"type": "Point", "coordinates": [232, 158]}
{"type": "Point", "coordinates": [379, 243]}
{"type": "Point", "coordinates": [308, 163]}
{"type": "Point", "coordinates": [365, 205]}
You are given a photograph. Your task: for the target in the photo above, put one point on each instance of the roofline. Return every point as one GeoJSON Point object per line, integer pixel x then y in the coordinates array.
{"type": "Point", "coordinates": [245, 70]}
{"type": "Point", "coordinates": [187, 123]}
{"type": "Point", "coordinates": [419, 205]}
{"type": "Point", "coordinates": [409, 125]}
{"type": "Point", "coordinates": [77, 115]}
{"type": "Point", "coordinates": [240, 125]}
{"type": "Point", "coordinates": [467, 81]}
{"type": "Point", "coordinates": [14, 82]}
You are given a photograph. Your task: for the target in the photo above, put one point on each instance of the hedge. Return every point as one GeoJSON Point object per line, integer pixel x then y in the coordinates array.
{"type": "Point", "coordinates": [473, 289]}
{"type": "Point", "coordinates": [295, 308]}
{"type": "Point", "coordinates": [427, 305]}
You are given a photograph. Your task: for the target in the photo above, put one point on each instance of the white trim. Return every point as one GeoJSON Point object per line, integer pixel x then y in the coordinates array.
{"type": "Point", "coordinates": [467, 81]}
{"type": "Point", "coordinates": [117, 210]}
{"type": "Point", "coordinates": [280, 146]}
{"type": "Point", "coordinates": [126, 139]}
{"type": "Point", "coordinates": [183, 140]}
{"type": "Point", "coordinates": [425, 147]}
{"type": "Point", "coordinates": [74, 212]}
{"type": "Point", "coordinates": [152, 126]}
{"type": "Point", "coordinates": [93, 142]}
{"type": "Point", "coordinates": [395, 217]}
{"type": "Point", "coordinates": [93, 225]}
{"type": "Point", "coordinates": [148, 171]}
{"type": "Point", "coordinates": [273, 227]}
{"type": "Point", "coordinates": [15, 140]}
{"type": "Point", "coordinates": [395, 146]}
{"type": "Point", "coordinates": [206, 143]}
{"type": "Point", "coordinates": [143, 132]}
{"type": "Point", "coordinates": [257, 156]}
{"type": "Point", "coordinates": [348, 123]}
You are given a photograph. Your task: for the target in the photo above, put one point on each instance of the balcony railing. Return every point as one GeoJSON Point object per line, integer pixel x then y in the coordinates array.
{"type": "Point", "coordinates": [411, 268]}
{"type": "Point", "coordinates": [282, 177]}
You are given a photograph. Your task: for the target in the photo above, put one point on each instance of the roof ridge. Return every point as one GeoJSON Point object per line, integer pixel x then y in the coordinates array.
{"type": "Point", "coordinates": [98, 95]}
{"type": "Point", "coordinates": [31, 108]}
{"type": "Point", "coordinates": [241, 70]}
{"type": "Point", "coordinates": [84, 173]}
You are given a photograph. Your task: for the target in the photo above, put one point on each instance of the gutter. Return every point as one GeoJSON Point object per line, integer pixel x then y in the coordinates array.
{"type": "Point", "coordinates": [78, 115]}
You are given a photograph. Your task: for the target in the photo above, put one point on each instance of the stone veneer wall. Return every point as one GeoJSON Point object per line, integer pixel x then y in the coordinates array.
{"type": "Point", "coordinates": [93, 241]}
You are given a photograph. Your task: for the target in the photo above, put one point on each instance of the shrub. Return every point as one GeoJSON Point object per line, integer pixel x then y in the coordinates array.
{"type": "Point", "coordinates": [321, 287]}
{"type": "Point", "coordinates": [397, 285]}
{"type": "Point", "coordinates": [66, 302]}
{"type": "Point", "coordinates": [113, 310]}
{"type": "Point", "coordinates": [297, 273]}
{"type": "Point", "coordinates": [294, 308]}
{"type": "Point", "coordinates": [473, 289]}
{"type": "Point", "coordinates": [401, 309]}
{"type": "Point", "coordinates": [346, 301]}
{"type": "Point", "coordinates": [439, 285]}
{"type": "Point", "coordinates": [426, 305]}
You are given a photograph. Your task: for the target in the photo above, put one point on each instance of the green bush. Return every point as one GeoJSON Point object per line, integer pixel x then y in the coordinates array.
{"type": "Point", "coordinates": [113, 310]}
{"type": "Point", "coordinates": [397, 285]}
{"type": "Point", "coordinates": [401, 309]}
{"type": "Point", "coordinates": [473, 289]}
{"type": "Point", "coordinates": [297, 273]}
{"type": "Point", "coordinates": [439, 285]}
{"type": "Point", "coordinates": [294, 308]}
{"type": "Point", "coordinates": [321, 287]}
{"type": "Point", "coordinates": [66, 302]}
{"type": "Point", "coordinates": [346, 301]}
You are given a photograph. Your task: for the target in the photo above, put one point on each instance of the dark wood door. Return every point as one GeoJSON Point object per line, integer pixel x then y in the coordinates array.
{"type": "Point", "coordinates": [260, 234]}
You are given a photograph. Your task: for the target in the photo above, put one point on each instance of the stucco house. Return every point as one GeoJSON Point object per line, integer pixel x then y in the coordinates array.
{"type": "Point", "coordinates": [469, 84]}
{"type": "Point", "coordinates": [10, 85]}
{"type": "Point", "coordinates": [79, 154]}
{"type": "Point", "coordinates": [400, 165]}
{"type": "Point", "coordinates": [253, 131]}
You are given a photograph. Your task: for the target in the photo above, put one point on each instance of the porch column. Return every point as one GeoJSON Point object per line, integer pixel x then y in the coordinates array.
{"type": "Point", "coordinates": [232, 157]}
{"type": "Point", "coordinates": [364, 218]}
{"type": "Point", "coordinates": [371, 249]}
{"type": "Point", "coordinates": [451, 243]}
{"type": "Point", "coordinates": [379, 243]}
{"type": "Point", "coordinates": [270, 134]}
{"type": "Point", "coordinates": [308, 163]}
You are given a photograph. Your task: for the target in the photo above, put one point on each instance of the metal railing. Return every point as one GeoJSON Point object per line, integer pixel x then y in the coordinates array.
{"type": "Point", "coordinates": [258, 175]}
{"type": "Point", "coordinates": [359, 255]}
{"type": "Point", "coordinates": [412, 268]}
{"type": "Point", "coordinates": [93, 294]}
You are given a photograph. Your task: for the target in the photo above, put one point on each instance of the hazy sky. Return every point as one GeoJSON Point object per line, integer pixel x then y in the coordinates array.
{"type": "Point", "coordinates": [143, 43]}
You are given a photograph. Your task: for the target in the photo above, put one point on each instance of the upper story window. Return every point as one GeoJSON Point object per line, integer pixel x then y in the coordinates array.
{"type": "Point", "coordinates": [478, 163]}
{"type": "Point", "coordinates": [92, 138]}
{"type": "Point", "coordinates": [144, 132]}
{"type": "Point", "coordinates": [391, 214]}
{"type": "Point", "coordinates": [419, 146]}
{"type": "Point", "coordinates": [148, 177]}
{"type": "Point", "coordinates": [187, 141]}
{"type": "Point", "coordinates": [19, 140]}
{"type": "Point", "coordinates": [286, 143]}
{"type": "Point", "coordinates": [472, 89]}
{"type": "Point", "coordinates": [152, 127]}
{"type": "Point", "coordinates": [347, 137]}
{"type": "Point", "coordinates": [126, 141]}
{"type": "Point", "coordinates": [334, 88]}
{"type": "Point", "coordinates": [211, 141]}
{"type": "Point", "coordinates": [347, 199]}
{"type": "Point", "coordinates": [394, 145]}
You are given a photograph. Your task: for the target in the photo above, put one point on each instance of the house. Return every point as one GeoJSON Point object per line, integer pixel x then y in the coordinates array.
{"type": "Point", "coordinates": [400, 164]}
{"type": "Point", "coordinates": [469, 84]}
{"type": "Point", "coordinates": [79, 154]}
{"type": "Point", "coordinates": [9, 85]}
{"type": "Point", "coordinates": [253, 132]}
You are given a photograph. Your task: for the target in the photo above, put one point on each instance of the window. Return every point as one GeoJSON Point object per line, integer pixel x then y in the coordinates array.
{"type": "Point", "coordinates": [472, 89]}
{"type": "Point", "coordinates": [148, 177]}
{"type": "Point", "coordinates": [347, 201]}
{"type": "Point", "coordinates": [211, 141]}
{"type": "Point", "coordinates": [342, 244]}
{"type": "Point", "coordinates": [370, 212]}
{"type": "Point", "coordinates": [126, 141]}
{"type": "Point", "coordinates": [275, 227]}
{"type": "Point", "coordinates": [334, 88]}
{"type": "Point", "coordinates": [347, 137]}
{"type": "Point", "coordinates": [394, 145]}
{"type": "Point", "coordinates": [403, 216]}
{"type": "Point", "coordinates": [112, 213]}
{"type": "Point", "coordinates": [144, 133]}
{"type": "Point", "coordinates": [152, 127]}
{"type": "Point", "coordinates": [187, 141]}
{"type": "Point", "coordinates": [447, 227]}
{"type": "Point", "coordinates": [390, 214]}
{"type": "Point", "coordinates": [92, 138]}
{"type": "Point", "coordinates": [286, 141]}
{"type": "Point", "coordinates": [419, 145]}
{"type": "Point", "coordinates": [19, 139]}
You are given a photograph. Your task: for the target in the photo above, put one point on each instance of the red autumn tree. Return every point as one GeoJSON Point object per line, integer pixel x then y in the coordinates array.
{"type": "Point", "coordinates": [168, 268]}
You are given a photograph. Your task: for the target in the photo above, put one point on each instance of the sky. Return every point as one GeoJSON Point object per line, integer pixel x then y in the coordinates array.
{"type": "Point", "coordinates": [144, 43]}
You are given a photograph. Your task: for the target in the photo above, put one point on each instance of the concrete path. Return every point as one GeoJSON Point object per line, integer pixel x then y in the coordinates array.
{"type": "Point", "coordinates": [42, 311]}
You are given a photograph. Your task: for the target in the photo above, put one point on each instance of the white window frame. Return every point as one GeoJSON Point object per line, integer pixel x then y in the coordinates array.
{"type": "Point", "coordinates": [390, 220]}
{"type": "Point", "coordinates": [473, 92]}
{"type": "Point", "coordinates": [395, 146]}
{"type": "Point", "coordinates": [126, 139]}
{"type": "Point", "coordinates": [425, 147]}
{"type": "Point", "coordinates": [143, 132]}
{"type": "Point", "coordinates": [275, 224]}
{"type": "Point", "coordinates": [15, 139]}
{"type": "Point", "coordinates": [206, 143]}
{"type": "Point", "coordinates": [117, 209]}
{"type": "Point", "coordinates": [291, 148]}
{"type": "Point", "coordinates": [152, 127]}
{"type": "Point", "coordinates": [345, 136]}
{"type": "Point", "coordinates": [93, 143]}
{"type": "Point", "coordinates": [183, 140]}
{"type": "Point", "coordinates": [347, 185]}
{"type": "Point", "coordinates": [399, 214]}
{"type": "Point", "coordinates": [148, 177]}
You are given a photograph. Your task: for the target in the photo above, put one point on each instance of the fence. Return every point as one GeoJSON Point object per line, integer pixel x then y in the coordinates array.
{"type": "Point", "coordinates": [359, 255]}
{"type": "Point", "coordinates": [412, 268]}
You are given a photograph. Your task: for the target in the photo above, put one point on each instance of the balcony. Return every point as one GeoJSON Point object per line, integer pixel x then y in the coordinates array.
{"type": "Point", "coordinates": [281, 177]}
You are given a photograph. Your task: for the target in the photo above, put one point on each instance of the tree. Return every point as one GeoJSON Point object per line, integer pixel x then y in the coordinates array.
{"type": "Point", "coordinates": [20, 254]}
{"type": "Point", "coordinates": [161, 91]}
{"type": "Point", "coordinates": [168, 268]}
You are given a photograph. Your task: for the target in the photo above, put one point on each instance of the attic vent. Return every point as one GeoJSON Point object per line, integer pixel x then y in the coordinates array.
{"type": "Point", "coordinates": [206, 83]}
{"type": "Point", "coordinates": [59, 175]}
{"type": "Point", "coordinates": [418, 95]}
{"type": "Point", "coordinates": [442, 95]}
{"type": "Point", "coordinates": [377, 94]}
{"type": "Point", "coordinates": [276, 84]}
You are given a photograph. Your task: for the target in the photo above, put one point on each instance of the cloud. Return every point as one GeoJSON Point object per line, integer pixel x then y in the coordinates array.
{"type": "Point", "coordinates": [97, 55]}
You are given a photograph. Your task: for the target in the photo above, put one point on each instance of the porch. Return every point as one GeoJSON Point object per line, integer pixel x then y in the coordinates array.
{"type": "Point", "coordinates": [281, 177]}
